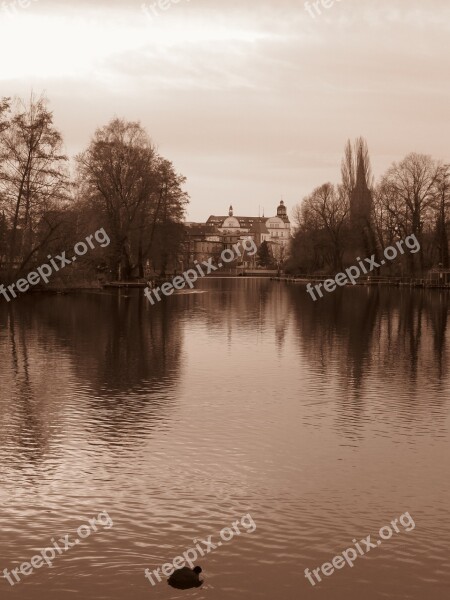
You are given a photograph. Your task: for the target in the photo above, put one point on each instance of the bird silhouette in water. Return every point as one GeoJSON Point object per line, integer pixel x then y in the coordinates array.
{"type": "Point", "coordinates": [185, 578]}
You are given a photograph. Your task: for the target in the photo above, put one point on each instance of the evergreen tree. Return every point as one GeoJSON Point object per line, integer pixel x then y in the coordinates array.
{"type": "Point", "coordinates": [264, 256]}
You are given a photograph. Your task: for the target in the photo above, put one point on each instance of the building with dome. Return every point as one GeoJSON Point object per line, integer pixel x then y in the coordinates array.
{"type": "Point", "coordinates": [205, 240]}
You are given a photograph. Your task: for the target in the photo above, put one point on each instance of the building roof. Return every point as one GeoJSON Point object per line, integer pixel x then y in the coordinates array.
{"type": "Point", "coordinates": [216, 220]}
{"type": "Point", "coordinates": [260, 226]}
{"type": "Point", "coordinates": [255, 225]}
{"type": "Point", "coordinates": [200, 229]}
{"type": "Point", "coordinates": [245, 222]}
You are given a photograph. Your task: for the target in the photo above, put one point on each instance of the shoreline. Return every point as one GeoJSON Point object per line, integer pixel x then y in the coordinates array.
{"type": "Point", "coordinates": [394, 282]}
{"type": "Point", "coordinates": [410, 282]}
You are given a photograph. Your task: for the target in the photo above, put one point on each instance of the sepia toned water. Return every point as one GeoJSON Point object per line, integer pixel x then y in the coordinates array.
{"type": "Point", "coordinates": [323, 421]}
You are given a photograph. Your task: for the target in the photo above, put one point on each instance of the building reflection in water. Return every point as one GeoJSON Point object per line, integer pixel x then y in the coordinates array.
{"type": "Point", "coordinates": [243, 395]}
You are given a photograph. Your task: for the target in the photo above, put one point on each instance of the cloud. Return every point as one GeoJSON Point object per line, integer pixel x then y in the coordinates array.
{"type": "Point", "coordinates": [242, 97]}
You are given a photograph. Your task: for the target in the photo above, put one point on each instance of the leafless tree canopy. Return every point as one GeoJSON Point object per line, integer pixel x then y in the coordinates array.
{"type": "Point", "coordinates": [335, 223]}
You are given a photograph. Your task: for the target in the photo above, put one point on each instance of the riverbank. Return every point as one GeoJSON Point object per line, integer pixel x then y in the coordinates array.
{"type": "Point", "coordinates": [411, 282]}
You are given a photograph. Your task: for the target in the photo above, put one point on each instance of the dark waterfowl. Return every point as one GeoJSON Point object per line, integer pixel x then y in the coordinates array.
{"type": "Point", "coordinates": [185, 578]}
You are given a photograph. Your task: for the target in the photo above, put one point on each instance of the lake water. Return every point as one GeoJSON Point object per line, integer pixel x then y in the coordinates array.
{"type": "Point", "coordinates": [322, 421]}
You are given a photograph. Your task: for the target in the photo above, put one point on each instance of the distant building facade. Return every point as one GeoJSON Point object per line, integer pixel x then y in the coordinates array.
{"type": "Point", "coordinates": [205, 240]}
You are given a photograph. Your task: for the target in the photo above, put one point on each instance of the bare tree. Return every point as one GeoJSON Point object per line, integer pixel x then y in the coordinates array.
{"type": "Point", "coordinates": [442, 192]}
{"type": "Point", "coordinates": [33, 179]}
{"type": "Point", "coordinates": [409, 190]}
{"type": "Point", "coordinates": [356, 157]}
{"type": "Point", "coordinates": [168, 216]}
{"type": "Point", "coordinates": [116, 173]}
{"type": "Point", "coordinates": [326, 211]}
{"type": "Point", "coordinates": [358, 185]}
{"type": "Point", "coordinates": [138, 192]}
{"type": "Point", "coordinates": [5, 105]}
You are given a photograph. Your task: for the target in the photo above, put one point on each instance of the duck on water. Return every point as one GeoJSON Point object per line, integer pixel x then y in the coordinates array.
{"type": "Point", "coordinates": [185, 578]}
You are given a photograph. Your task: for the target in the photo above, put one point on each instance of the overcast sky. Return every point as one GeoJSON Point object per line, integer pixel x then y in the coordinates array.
{"type": "Point", "coordinates": [250, 100]}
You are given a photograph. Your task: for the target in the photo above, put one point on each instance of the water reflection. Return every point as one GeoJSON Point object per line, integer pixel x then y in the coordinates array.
{"type": "Point", "coordinates": [374, 340]}
{"type": "Point", "coordinates": [118, 342]}
{"type": "Point", "coordinates": [323, 420]}
{"type": "Point", "coordinates": [241, 306]}
{"type": "Point", "coordinates": [374, 327]}
{"type": "Point", "coordinates": [22, 411]}
{"type": "Point", "coordinates": [120, 360]}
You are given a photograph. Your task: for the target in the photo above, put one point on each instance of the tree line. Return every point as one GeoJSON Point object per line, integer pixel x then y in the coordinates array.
{"type": "Point", "coordinates": [119, 182]}
{"type": "Point", "coordinates": [360, 217]}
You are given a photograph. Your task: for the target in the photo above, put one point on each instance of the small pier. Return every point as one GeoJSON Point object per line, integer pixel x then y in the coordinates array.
{"type": "Point", "coordinates": [125, 284]}
{"type": "Point", "coordinates": [411, 282]}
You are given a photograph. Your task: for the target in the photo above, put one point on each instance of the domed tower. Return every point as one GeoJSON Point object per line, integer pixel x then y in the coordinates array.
{"type": "Point", "coordinates": [281, 211]}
